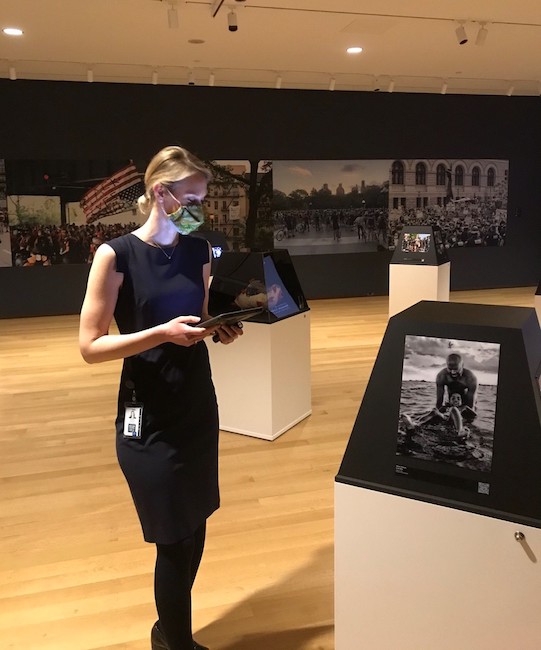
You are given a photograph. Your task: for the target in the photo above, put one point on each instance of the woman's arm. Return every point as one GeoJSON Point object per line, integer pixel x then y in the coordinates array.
{"type": "Point", "coordinates": [95, 342]}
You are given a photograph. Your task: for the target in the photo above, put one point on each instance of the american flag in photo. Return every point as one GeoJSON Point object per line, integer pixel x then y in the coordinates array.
{"type": "Point", "coordinates": [115, 194]}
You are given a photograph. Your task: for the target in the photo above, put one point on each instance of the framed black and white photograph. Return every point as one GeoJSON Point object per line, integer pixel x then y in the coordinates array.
{"type": "Point", "coordinates": [448, 401]}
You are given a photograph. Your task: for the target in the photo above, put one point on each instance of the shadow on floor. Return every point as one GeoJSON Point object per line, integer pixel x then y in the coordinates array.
{"type": "Point", "coordinates": [295, 613]}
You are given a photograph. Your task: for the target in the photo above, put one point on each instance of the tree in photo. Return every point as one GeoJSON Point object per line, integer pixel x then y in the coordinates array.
{"type": "Point", "coordinates": [240, 196]}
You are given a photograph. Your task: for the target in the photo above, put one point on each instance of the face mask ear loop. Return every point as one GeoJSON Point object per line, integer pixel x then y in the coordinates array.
{"type": "Point", "coordinates": [174, 199]}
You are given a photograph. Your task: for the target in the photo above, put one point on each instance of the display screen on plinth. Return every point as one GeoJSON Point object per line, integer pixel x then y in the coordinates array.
{"type": "Point", "coordinates": [461, 421]}
{"type": "Point", "coordinates": [420, 245]}
{"type": "Point", "coordinates": [416, 242]}
{"type": "Point", "coordinates": [269, 280]}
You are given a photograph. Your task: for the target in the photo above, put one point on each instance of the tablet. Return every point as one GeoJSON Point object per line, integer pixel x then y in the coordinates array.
{"type": "Point", "coordinates": [231, 317]}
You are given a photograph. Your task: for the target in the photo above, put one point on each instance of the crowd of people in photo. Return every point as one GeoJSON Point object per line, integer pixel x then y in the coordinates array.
{"type": "Point", "coordinates": [462, 224]}
{"type": "Point", "coordinates": [469, 224]}
{"type": "Point", "coordinates": [45, 245]}
{"type": "Point", "coordinates": [474, 225]}
{"type": "Point", "coordinates": [369, 224]}
{"type": "Point", "coordinates": [3, 221]}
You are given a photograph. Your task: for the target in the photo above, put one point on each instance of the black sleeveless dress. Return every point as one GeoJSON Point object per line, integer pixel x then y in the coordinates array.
{"type": "Point", "coordinates": [172, 471]}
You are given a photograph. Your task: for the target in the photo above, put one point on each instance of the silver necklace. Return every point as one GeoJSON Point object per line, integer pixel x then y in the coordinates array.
{"type": "Point", "coordinates": [163, 251]}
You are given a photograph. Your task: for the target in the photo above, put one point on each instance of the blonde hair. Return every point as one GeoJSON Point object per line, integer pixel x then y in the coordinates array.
{"type": "Point", "coordinates": [168, 166]}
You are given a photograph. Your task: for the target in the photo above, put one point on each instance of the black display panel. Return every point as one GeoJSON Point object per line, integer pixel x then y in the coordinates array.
{"type": "Point", "coordinates": [420, 245]}
{"type": "Point", "coordinates": [479, 362]}
{"type": "Point", "coordinates": [244, 280]}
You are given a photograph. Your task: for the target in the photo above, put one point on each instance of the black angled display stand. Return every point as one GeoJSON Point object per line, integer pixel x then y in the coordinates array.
{"type": "Point", "coordinates": [451, 551]}
{"type": "Point", "coordinates": [263, 380]}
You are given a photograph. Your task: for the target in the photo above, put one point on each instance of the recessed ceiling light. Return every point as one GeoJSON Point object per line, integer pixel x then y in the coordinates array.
{"type": "Point", "coordinates": [13, 31]}
{"type": "Point", "coordinates": [354, 50]}
{"type": "Point", "coordinates": [196, 41]}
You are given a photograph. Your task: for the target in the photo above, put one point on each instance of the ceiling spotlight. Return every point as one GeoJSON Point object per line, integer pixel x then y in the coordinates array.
{"type": "Point", "coordinates": [332, 83]}
{"type": "Point", "coordinates": [172, 16]}
{"type": "Point", "coordinates": [155, 77]}
{"type": "Point", "coordinates": [211, 79]}
{"type": "Point", "coordinates": [391, 86]}
{"type": "Point", "coordinates": [90, 75]}
{"type": "Point", "coordinates": [461, 35]}
{"type": "Point", "coordinates": [481, 34]}
{"type": "Point", "coordinates": [354, 50]}
{"type": "Point", "coordinates": [12, 31]}
{"type": "Point", "coordinates": [278, 83]}
{"type": "Point", "coordinates": [444, 87]}
{"type": "Point", "coordinates": [510, 90]}
{"type": "Point", "coordinates": [232, 23]}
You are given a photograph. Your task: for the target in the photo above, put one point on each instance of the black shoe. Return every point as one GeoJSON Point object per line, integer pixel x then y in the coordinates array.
{"type": "Point", "coordinates": [158, 642]}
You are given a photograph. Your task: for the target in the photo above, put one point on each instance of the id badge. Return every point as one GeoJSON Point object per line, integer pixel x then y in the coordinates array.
{"type": "Point", "coordinates": [133, 420]}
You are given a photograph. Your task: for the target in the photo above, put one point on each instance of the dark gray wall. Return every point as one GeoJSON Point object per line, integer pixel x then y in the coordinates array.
{"type": "Point", "coordinates": [42, 291]}
{"type": "Point", "coordinates": [63, 120]}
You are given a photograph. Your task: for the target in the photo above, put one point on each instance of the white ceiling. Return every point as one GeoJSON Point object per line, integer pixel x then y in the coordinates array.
{"type": "Point", "coordinates": [409, 45]}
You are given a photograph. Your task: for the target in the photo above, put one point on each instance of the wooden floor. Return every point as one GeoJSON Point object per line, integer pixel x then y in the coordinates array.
{"type": "Point", "coordinates": [74, 571]}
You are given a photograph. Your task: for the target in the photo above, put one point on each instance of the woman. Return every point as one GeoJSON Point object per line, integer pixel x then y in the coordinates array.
{"type": "Point", "coordinates": [154, 281]}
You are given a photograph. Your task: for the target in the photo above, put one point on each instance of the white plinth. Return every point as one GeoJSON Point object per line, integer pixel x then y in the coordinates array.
{"type": "Point", "coordinates": [411, 283]}
{"type": "Point", "coordinates": [537, 305]}
{"type": "Point", "coordinates": [415, 576]}
{"type": "Point", "coordinates": [263, 380]}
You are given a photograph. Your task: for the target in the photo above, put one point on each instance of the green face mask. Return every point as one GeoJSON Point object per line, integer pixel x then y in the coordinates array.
{"type": "Point", "coordinates": [187, 218]}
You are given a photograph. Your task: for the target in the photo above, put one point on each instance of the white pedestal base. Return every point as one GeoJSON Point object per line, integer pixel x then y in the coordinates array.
{"type": "Point", "coordinates": [411, 283]}
{"type": "Point", "coordinates": [263, 380]}
{"type": "Point", "coordinates": [416, 576]}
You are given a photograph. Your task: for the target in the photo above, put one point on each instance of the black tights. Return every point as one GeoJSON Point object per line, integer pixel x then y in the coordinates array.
{"type": "Point", "coordinates": [176, 568]}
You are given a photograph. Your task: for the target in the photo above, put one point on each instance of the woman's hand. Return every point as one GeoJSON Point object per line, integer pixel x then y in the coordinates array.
{"type": "Point", "coordinates": [227, 333]}
{"type": "Point", "coordinates": [180, 332]}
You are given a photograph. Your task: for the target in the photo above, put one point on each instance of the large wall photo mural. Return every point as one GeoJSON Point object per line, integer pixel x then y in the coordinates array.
{"type": "Point", "coordinates": [346, 206]}
{"type": "Point", "coordinates": [59, 212]}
